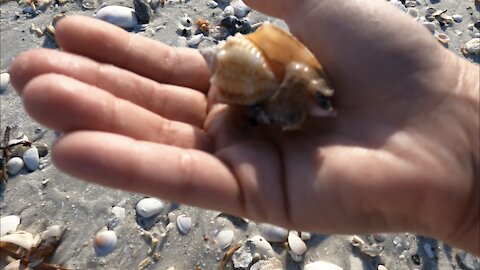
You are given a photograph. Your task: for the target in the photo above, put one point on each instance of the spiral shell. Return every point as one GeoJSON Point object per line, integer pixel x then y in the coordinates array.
{"type": "Point", "coordinates": [270, 68]}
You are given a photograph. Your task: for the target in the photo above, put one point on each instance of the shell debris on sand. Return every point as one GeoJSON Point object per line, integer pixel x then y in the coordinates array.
{"type": "Point", "coordinates": [4, 81]}
{"type": "Point", "coordinates": [224, 238]}
{"type": "Point", "coordinates": [105, 242]}
{"type": "Point", "coordinates": [149, 207]}
{"type": "Point", "coordinates": [184, 223]}
{"type": "Point", "coordinates": [9, 224]}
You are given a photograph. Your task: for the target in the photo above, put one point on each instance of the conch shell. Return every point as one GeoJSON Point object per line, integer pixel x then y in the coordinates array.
{"type": "Point", "coordinates": [272, 73]}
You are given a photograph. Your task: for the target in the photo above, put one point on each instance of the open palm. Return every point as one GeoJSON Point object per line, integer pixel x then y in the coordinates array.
{"type": "Point", "coordinates": [397, 157]}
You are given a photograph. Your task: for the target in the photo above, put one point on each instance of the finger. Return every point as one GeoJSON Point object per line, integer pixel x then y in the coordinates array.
{"type": "Point", "coordinates": [144, 56]}
{"type": "Point", "coordinates": [172, 102]}
{"type": "Point", "coordinates": [66, 104]}
{"type": "Point", "coordinates": [172, 173]}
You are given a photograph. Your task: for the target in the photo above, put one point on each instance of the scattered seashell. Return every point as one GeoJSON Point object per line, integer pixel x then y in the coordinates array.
{"type": "Point", "coordinates": [118, 15]}
{"type": "Point", "coordinates": [186, 21]}
{"type": "Point", "coordinates": [273, 233]}
{"type": "Point", "coordinates": [410, 3]}
{"type": "Point", "coordinates": [212, 4]}
{"type": "Point", "coordinates": [149, 207]}
{"type": "Point", "coordinates": [184, 223]}
{"type": "Point", "coordinates": [89, 4]}
{"type": "Point", "coordinates": [4, 81]}
{"type": "Point", "coordinates": [119, 212]}
{"type": "Point", "coordinates": [260, 245]}
{"type": "Point", "coordinates": [228, 11]}
{"type": "Point", "coordinates": [321, 265]}
{"type": "Point", "coordinates": [413, 12]}
{"type": "Point", "coordinates": [443, 38]}
{"type": "Point", "coordinates": [242, 257]}
{"type": "Point", "coordinates": [105, 242]}
{"type": "Point", "coordinates": [14, 165]}
{"type": "Point", "coordinates": [457, 18]}
{"type": "Point", "coordinates": [356, 241]}
{"type": "Point", "coordinates": [382, 267]}
{"type": "Point", "coordinates": [31, 158]}
{"type": "Point", "coordinates": [430, 26]}
{"type": "Point", "coordinates": [305, 236]}
{"type": "Point", "coordinates": [19, 238]}
{"type": "Point", "coordinates": [472, 47]}
{"type": "Point", "coordinates": [296, 244]}
{"type": "Point", "coordinates": [240, 9]}
{"type": "Point", "coordinates": [195, 40]}
{"type": "Point", "coordinates": [270, 264]}
{"type": "Point", "coordinates": [255, 70]}
{"type": "Point", "coordinates": [9, 224]}
{"type": "Point", "coordinates": [203, 26]}
{"type": "Point", "coordinates": [224, 239]}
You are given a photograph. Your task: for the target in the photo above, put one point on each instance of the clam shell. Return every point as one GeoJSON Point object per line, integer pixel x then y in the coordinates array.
{"type": "Point", "coordinates": [9, 224]}
{"type": "Point", "coordinates": [296, 244]}
{"type": "Point", "coordinates": [19, 238]}
{"type": "Point", "coordinates": [224, 239]}
{"type": "Point", "coordinates": [149, 207]}
{"type": "Point", "coordinates": [105, 242]}
{"type": "Point", "coordinates": [14, 165]}
{"type": "Point", "coordinates": [184, 223]}
{"type": "Point", "coordinates": [321, 265]}
{"type": "Point", "coordinates": [270, 264]}
{"type": "Point", "coordinates": [118, 15]}
{"type": "Point", "coordinates": [260, 246]}
{"type": "Point", "coordinates": [4, 81]}
{"type": "Point", "coordinates": [273, 233]}
{"type": "Point", "coordinates": [31, 158]}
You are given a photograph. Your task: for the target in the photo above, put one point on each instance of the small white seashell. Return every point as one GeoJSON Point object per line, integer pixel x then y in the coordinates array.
{"type": "Point", "coordinates": [105, 242]}
{"type": "Point", "coordinates": [443, 38]}
{"type": "Point", "coordinates": [212, 4]}
{"type": "Point", "coordinates": [356, 241]}
{"type": "Point", "coordinates": [118, 212]}
{"type": "Point", "coordinates": [382, 267]}
{"type": "Point", "coordinates": [410, 3]}
{"type": "Point", "coordinates": [240, 9]}
{"type": "Point", "coordinates": [270, 264]}
{"type": "Point", "coordinates": [321, 265]}
{"type": "Point", "coordinates": [471, 26]}
{"type": "Point", "coordinates": [15, 265]}
{"type": "Point", "coordinates": [224, 238]}
{"type": "Point", "coordinates": [31, 158]}
{"type": "Point", "coordinates": [473, 46]}
{"type": "Point", "coordinates": [457, 17]}
{"type": "Point", "coordinates": [19, 238]}
{"type": "Point", "coordinates": [296, 244]}
{"type": "Point", "coordinates": [9, 224]}
{"type": "Point", "coordinates": [186, 21]}
{"type": "Point", "coordinates": [4, 81]}
{"type": "Point", "coordinates": [195, 40]}
{"type": "Point", "coordinates": [260, 246]}
{"type": "Point", "coordinates": [181, 42]}
{"type": "Point", "coordinates": [149, 207]}
{"type": "Point", "coordinates": [242, 257]}
{"type": "Point", "coordinates": [413, 12]}
{"type": "Point", "coordinates": [14, 165]}
{"type": "Point", "coordinates": [305, 236]}
{"type": "Point", "coordinates": [118, 15]}
{"type": "Point", "coordinates": [228, 11]}
{"type": "Point", "coordinates": [273, 233]}
{"type": "Point", "coordinates": [184, 223]}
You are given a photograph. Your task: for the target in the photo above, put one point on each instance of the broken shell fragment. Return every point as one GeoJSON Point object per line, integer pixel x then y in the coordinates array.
{"type": "Point", "coordinates": [118, 15]}
{"type": "Point", "coordinates": [105, 242]}
{"type": "Point", "coordinates": [19, 238]}
{"type": "Point", "coordinates": [14, 165]}
{"type": "Point", "coordinates": [270, 264]}
{"type": "Point", "coordinates": [184, 223]}
{"type": "Point", "coordinates": [472, 47]}
{"type": "Point", "coordinates": [272, 69]}
{"type": "Point", "coordinates": [9, 224]}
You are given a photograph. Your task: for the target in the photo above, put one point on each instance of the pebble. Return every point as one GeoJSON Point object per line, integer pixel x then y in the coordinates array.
{"type": "Point", "coordinates": [228, 11]}
{"type": "Point", "coordinates": [9, 224]}
{"type": "Point", "coordinates": [4, 81]}
{"type": "Point", "coordinates": [31, 158]}
{"type": "Point", "coordinates": [428, 250]}
{"type": "Point", "coordinates": [14, 165]}
{"type": "Point", "coordinates": [118, 15]}
{"type": "Point", "coordinates": [105, 242]}
{"type": "Point", "coordinates": [184, 223]}
{"type": "Point", "coordinates": [181, 42]}
{"type": "Point", "coordinates": [240, 9]}
{"type": "Point", "coordinates": [149, 207]}
{"type": "Point", "coordinates": [273, 233]}
{"type": "Point", "coordinates": [195, 40]}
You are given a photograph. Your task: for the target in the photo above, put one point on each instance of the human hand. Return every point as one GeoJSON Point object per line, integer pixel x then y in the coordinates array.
{"type": "Point", "coordinates": [400, 155]}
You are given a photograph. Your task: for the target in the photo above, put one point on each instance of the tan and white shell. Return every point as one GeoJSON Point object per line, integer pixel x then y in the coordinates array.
{"type": "Point", "coordinates": [270, 68]}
